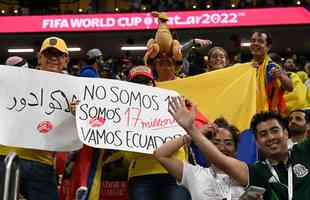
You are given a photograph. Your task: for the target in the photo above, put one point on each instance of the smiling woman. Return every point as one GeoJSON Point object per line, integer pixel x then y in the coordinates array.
{"type": "Point", "coordinates": [204, 183]}
{"type": "Point", "coordinates": [217, 58]}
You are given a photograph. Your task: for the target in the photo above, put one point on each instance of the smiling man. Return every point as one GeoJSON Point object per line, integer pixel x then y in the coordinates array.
{"type": "Point", "coordinates": [53, 55]}
{"type": "Point", "coordinates": [284, 173]}
{"type": "Point", "coordinates": [37, 177]}
{"type": "Point", "coordinates": [271, 79]}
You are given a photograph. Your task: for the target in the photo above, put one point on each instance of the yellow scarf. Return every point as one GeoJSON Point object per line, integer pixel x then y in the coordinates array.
{"type": "Point", "coordinates": [273, 100]}
{"type": "Point", "coordinates": [95, 189]}
{"type": "Point", "coordinates": [261, 94]}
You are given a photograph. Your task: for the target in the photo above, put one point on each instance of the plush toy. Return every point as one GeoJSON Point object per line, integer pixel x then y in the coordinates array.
{"type": "Point", "coordinates": [163, 46]}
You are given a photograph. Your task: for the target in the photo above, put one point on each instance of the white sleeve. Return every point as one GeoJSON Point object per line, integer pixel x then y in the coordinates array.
{"type": "Point", "coordinates": [190, 174]}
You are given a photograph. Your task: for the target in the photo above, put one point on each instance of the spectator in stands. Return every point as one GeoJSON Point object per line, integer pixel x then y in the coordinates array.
{"type": "Point", "coordinates": [162, 5]}
{"type": "Point", "coordinates": [166, 72]}
{"type": "Point", "coordinates": [135, 5]}
{"type": "Point", "coordinates": [297, 98]}
{"type": "Point", "coordinates": [289, 65]}
{"type": "Point", "coordinates": [276, 58]}
{"type": "Point", "coordinates": [307, 70]}
{"type": "Point", "coordinates": [147, 178]}
{"type": "Point", "coordinates": [303, 76]}
{"type": "Point", "coordinates": [271, 137]}
{"type": "Point", "coordinates": [269, 90]}
{"type": "Point", "coordinates": [204, 183]}
{"type": "Point", "coordinates": [176, 4]}
{"type": "Point", "coordinates": [193, 61]}
{"type": "Point", "coordinates": [84, 166]}
{"type": "Point", "coordinates": [74, 69]}
{"type": "Point", "coordinates": [38, 179]}
{"type": "Point", "coordinates": [297, 126]}
{"type": "Point", "coordinates": [217, 58]}
{"type": "Point", "coordinates": [154, 5]}
{"type": "Point", "coordinates": [96, 66]}
{"type": "Point", "coordinates": [17, 62]}
{"type": "Point", "coordinates": [270, 3]}
{"type": "Point", "coordinates": [125, 64]}
{"type": "Point", "coordinates": [247, 150]}
{"type": "Point", "coordinates": [94, 60]}
{"type": "Point", "coordinates": [307, 4]}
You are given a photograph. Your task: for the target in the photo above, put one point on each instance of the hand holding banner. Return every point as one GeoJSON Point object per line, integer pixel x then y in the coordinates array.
{"type": "Point", "coordinates": [126, 116]}
{"type": "Point", "coordinates": [34, 108]}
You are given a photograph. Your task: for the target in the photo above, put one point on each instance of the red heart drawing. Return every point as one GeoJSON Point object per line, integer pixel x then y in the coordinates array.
{"type": "Point", "coordinates": [94, 122]}
{"type": "Point", "coordinates": [44, 127]}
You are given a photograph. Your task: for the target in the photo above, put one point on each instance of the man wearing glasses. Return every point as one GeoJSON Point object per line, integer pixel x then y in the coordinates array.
{"type": "Point", "coordinates": [53, 55]}
{"type": "Point", "coordinates": [38, 178]}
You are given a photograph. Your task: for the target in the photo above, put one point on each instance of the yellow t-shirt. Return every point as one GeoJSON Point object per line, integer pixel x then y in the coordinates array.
{"type": "Point", "coordinates": [296, 99]}
{"type": "Point", "coordinates": [145, 164]}
{"type": "Point", "coordinates": [45, 157]}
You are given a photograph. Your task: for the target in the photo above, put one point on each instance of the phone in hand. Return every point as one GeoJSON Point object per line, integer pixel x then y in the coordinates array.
{"type": "Point", "coordinates": [251, 192]}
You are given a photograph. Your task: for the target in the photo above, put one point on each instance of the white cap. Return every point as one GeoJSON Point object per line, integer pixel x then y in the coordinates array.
{"type": "Point", "coordinates": [16, 61]}
{"type": "Point", "coordinates": [93, 53]}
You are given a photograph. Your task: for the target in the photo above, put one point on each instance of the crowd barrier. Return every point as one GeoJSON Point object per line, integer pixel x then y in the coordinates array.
{"type": "Point", "coordinates": [11, 177]}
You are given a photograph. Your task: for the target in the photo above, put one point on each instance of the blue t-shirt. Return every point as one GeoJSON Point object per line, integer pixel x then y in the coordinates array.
{"type": "Point", "coordinates": [88, 71]}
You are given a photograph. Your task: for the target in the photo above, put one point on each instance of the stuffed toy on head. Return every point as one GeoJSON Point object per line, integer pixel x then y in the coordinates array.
{"type": "Point", "coordinates": [163, 46]}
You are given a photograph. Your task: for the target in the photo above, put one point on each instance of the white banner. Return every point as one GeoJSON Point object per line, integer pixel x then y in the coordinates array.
{"type": "Point", "coordinates": [125, 116]}
{"type": "Point", "coordinates": [34, 107]}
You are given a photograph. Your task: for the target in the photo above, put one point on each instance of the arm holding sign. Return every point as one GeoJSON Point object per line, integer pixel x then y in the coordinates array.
{"type": "Point", "coordinates": [131, 156]}
{"type": "Point", "coordinates": [165, 153]}
{"type": "Point", "coordinates": [53, 56]}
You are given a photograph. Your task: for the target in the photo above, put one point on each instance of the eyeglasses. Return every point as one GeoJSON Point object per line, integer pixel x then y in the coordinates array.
{"type": "Point", "coordinates": [142, 80]}
{"type": "Point", "coordinates": [53, 54]}
{"type": "Point", "coordinates": [223, 142]}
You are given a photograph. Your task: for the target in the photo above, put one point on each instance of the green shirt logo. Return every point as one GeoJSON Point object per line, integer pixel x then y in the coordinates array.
{"type": "Point", "coordinates": [300, 170]}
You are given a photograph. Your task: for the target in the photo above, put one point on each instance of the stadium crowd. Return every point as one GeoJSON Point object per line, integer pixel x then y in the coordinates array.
{"type": "Point", "coordinates": [214, 160]}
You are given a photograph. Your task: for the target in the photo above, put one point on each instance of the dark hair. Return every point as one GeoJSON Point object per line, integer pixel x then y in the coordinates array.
{"type": "Point", "coordinates": [213, 49]}
{"type": "Point", "coordinates": [263, 117]}
{"type": "Point", "coordinates": [91, 61]}
{"type": "Point", "coordinates": [268, 35]}
{"type": "Point", "coordinates": [276, 58]}
{"type": "Point", "coordinates": [135, 80]}
{"type": "Point", "coordinates": [307, 118]}
{"type": "Point", "coordinates": [234, 131]}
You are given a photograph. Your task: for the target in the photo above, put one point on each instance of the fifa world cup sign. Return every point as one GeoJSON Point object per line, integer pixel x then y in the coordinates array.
{"type": "Point", "coordinates": [143, 21]}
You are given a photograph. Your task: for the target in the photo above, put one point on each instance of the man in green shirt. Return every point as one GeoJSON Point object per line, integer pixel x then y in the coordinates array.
{"type": "Point", "coordinates": [284, 174]}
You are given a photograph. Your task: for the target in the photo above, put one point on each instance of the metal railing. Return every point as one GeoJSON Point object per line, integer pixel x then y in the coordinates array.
{"type": "Point", "coordinates": [11, 177]}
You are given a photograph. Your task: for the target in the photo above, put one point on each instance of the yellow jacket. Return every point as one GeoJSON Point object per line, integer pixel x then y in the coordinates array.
{"type": "Point", "coordinates": [45, 157]}
{"type": "Point", "coordinates": [298, 98]}
{"type": "Point", "coordinates": [145, 164]}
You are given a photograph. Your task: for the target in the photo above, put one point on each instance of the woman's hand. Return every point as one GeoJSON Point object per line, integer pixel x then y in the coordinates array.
{"type": "Point", "coordinates": [181, 114]}
{"type": "Point", "coordinates": [208, 129]}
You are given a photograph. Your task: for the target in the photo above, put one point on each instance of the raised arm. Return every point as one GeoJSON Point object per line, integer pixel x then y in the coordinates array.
{"type": "Point", "coordinates": [186, 48]}
{"type": "Point", "coordinates": [286, 82]}
{"type": "Point", "coordinates": [164, 154]}
{"type": "Point", "coordinates": [233, 167]}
